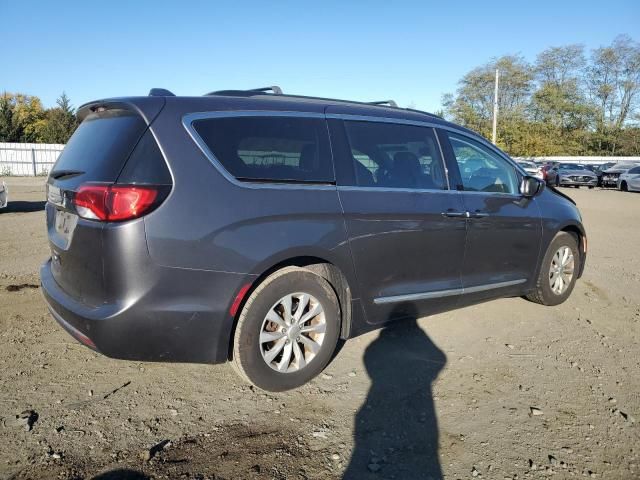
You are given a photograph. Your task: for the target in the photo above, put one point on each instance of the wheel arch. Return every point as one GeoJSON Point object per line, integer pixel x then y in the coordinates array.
{"type": "Point", "coordinates": [580, 235]}
{"type": "Point", "coordinates": [318, 264]}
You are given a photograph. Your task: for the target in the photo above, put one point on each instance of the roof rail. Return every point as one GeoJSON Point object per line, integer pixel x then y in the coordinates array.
{"type": "Point", "coordinates": [426, 113]}
{"type": "Point", "coordinates": [274, 90]}
{"type": "Point", "coordinates": [390, 103]}
{"type": "Point", "coordinates": [160, 92]}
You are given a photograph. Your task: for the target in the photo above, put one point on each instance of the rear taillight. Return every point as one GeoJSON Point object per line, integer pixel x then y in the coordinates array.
{"type": "Point", "coordinates": [116, 203]}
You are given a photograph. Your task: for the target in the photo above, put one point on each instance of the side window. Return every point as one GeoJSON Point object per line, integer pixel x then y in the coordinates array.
{"type": "Point", "coordinates": [635, 170]}
{"type": "Point", "coordinates": [395, 156]}
{"type": "Point", "coordinates": [481, 169]}
{"type": "Point", "coordinates": [270, 148]}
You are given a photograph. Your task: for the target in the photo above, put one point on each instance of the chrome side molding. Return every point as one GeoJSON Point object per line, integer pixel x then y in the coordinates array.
{"type": "Point", "coordinates": [446, 293]}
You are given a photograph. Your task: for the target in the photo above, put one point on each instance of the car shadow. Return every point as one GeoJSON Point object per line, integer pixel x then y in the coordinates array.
{"type": "Point", "coordinates": [20, 206]}
{"type": "Point", "coordinates": [121, 474]}
{"type": "Point", "coordinates": [396, 429]}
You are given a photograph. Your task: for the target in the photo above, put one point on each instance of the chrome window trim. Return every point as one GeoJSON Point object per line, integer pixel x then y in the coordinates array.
{"type": "Point", "coordinates": [187, 123]}
{"type": "Point", "coordinates": [365, 188]}
{"type": "Point", "coordinates": [446, 293]}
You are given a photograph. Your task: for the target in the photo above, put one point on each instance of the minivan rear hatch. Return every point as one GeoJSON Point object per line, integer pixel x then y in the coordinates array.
{"type": "Point", "coordinates": [113, 141]}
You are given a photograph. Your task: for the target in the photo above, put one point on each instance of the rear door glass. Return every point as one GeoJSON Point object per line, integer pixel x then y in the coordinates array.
{"type": "Point", "coordinates": [395, 156]}
{"type": "Point", "coordinates": [290, 149]}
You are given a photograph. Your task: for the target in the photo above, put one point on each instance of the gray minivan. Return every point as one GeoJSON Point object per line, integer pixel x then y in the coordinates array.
{"type": "Point", "coordinates": [261, 228]}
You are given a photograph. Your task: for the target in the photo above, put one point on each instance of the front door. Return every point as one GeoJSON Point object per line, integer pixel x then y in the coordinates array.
{"type": "Point", "coordinates": [406, 228]}
{"type": "Point", "coordinates": [504, 228]}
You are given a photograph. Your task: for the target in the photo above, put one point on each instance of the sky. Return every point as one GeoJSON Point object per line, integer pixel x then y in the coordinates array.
{"type": "Point", "coordinates": [409, 51]}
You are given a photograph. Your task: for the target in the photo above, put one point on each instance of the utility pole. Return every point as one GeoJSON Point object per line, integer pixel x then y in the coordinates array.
{"type": "Point", "coordinates": [495, 108]}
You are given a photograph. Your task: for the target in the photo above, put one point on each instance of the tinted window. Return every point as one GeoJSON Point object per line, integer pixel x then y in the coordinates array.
{"type": "Point", "coordinates": [634, 170]}
{"type": "Point", "coordinates": [395, 156]}
{"type": "Point", "coordinates": [101, 145]}
{"type": "Point", "coordinates": [571, 166]}
{"type": "Point", "coordinates": [270, 148]}
{"type": "Point", "coordinates": [481, 169]}
{"type": "Point", "coordinates": [146, 164]}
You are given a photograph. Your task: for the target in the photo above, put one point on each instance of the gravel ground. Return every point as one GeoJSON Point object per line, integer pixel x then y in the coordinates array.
{"type": "Point", "coordinates": [506, 389]}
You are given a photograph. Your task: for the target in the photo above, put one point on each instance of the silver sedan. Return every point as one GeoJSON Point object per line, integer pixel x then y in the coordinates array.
{"type": "Point", "coordinates": [574, 175]}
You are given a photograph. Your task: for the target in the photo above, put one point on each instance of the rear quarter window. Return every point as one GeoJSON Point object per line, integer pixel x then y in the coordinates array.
{"type": "Point", "coordinates": [278, 149]}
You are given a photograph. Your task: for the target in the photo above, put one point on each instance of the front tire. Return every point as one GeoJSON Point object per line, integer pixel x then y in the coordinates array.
{"type": "Point", "coordinates": [558, 272]}
{"type": "Point", "coordinates": [287, 331]}
{"type": "Point", "coordinates": [624, 187]}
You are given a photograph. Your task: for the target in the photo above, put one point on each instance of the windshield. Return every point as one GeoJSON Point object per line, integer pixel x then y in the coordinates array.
{"type": "Point", "coordinates": [571, 166]}
{"type": "Point", "coordinates": [527, 164]}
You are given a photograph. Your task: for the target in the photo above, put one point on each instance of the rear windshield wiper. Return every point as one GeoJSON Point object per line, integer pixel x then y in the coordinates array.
{"type": "Point", "coordinates": [57, 175]}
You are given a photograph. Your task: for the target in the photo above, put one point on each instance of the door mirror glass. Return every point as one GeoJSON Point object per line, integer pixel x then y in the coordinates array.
{"type": "Point", "coordinates": [530, 186]}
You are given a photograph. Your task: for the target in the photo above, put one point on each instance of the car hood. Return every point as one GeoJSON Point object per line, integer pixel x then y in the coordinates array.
{"type": "Point", "coordinates": [584, 173]}
{"type": "Point", "coordinates": [618, 170]}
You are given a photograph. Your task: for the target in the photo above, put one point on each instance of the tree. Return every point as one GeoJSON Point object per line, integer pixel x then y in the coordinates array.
{"type": "Point", "coordinates": [60, 122]}
{"type": "Point", "coordinates": [472, 105]}
{"type": "Point", "coordinates": [613, 80]}
{"type": "Point", "coordinates": [28, 117]}
{"type": "Point", "coordinates": [563, 104]}
{"type": "Point", "coordinates": [8, 131]}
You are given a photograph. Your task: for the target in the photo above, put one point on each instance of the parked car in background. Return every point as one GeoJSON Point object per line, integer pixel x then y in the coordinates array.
{"type": "Point", "coordinates": [4, 195]}
{"type": "Point", "coordinates": [611, 175]}
{"type": "Point", "coordinates": [261, 228]}
{"type": "Point", "coordinates": [630, 181]}
{"type": "Point", "coordinates": [575, 175]}
{"type": "Point", "coordinates": [598, 169]}
{"type": "Point", "coordinates": [531, 168]}
{"type": "Point", "coordinates": [549, 173]}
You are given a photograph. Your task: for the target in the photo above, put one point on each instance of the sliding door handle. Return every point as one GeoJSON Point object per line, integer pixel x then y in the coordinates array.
{"type": "Point", "coordinates": [452, 214]}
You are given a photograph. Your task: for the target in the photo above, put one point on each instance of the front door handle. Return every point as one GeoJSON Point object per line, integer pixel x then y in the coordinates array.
{"type": "Point", "coordinates": [453, 214]}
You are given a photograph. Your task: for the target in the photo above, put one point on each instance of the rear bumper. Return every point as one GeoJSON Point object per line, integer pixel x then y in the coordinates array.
{"type": "Point", "coordinates": [175, 321]}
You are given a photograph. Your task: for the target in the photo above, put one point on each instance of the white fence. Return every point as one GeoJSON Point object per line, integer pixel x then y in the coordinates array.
{"type": "Point", "coordinates": [28, 159]}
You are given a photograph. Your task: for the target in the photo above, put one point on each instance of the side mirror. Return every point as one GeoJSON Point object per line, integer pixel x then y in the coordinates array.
{"type": "Point", "coordinates": [531, 186]}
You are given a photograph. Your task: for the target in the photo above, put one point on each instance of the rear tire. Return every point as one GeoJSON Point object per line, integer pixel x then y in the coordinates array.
{"type": "Point", "coordinates": [549, 290]}
{"type": "Point", "coordinates": [303, 340]}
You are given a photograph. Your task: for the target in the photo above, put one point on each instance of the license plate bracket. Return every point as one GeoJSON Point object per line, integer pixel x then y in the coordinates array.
{"type": "Point", "coordinates": [65, 223]}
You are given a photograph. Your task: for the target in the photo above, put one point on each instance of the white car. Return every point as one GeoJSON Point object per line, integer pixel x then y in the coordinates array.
{"type": "Point", "coordinates": [630, 180]}
{"type": "Point", "coordinates": [531, 168]}
{"type": "Point", "coordinates": [4, 195]}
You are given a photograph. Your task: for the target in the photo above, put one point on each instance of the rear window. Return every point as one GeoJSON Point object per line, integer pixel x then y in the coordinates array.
{"type": "Point", "coordinates": [270, 148]}
{"type": "Point", "coordinates": [101, 145]}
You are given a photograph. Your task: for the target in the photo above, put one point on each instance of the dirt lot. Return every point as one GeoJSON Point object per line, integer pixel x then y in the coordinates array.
{"type": "Point", "coordinates": [507, 389]}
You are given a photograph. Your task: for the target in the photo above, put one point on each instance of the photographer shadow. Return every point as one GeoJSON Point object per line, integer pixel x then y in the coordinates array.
{"type": "Point", "coordinates": [396, 429]}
